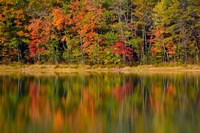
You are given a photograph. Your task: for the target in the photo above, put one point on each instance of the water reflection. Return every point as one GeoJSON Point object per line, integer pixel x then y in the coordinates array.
{"type": "Point", "coordinates": [100, 103]}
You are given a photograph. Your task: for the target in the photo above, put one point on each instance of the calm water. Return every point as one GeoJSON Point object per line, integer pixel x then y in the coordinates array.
{"type": "Point", "coordinates": [100, 103]}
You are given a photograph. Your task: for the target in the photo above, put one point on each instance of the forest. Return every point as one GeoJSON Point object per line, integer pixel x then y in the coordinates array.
{"type": "Point", "coordinates": [100, 32]}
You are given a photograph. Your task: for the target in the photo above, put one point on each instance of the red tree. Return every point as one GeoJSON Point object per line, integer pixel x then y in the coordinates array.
{"type": "Point", "coordinates": [119, 48]}
{"type": "Point", "coordinates": [39, 33]}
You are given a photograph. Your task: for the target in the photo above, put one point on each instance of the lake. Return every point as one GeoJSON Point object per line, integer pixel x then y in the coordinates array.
{"type": "Point", "coordinates": [100, 103]}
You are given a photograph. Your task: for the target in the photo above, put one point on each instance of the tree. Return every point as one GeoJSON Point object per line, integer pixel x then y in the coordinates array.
{"type": "Point", "coordinates": [141, 24]}
{"type": "Point", "coordinates": [119, 48]}
{"type": "Point", "coordinates": [39, 35]}
{"type": "Point", "coordinates": [176, 38]}
{"type": "Point", "coordinates": [83, 20]}
{"type": "Point", "coordinates": [13, 35]}
{"type": "Point", "coordinates": [100, 32]}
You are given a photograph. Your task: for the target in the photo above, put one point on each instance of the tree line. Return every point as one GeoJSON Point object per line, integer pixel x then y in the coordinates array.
{"type": "Point", "coordinates": [100, 31]}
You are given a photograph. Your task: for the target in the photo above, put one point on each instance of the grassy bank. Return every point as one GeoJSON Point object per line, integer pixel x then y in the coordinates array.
{"type": "Point", "coordinates": [167, 68]}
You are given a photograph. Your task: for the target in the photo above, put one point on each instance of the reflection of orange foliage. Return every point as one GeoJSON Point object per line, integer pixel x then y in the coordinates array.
{"type": "Point", "coordinates": [40, 108]}
{"type": "Point", "coordinates": [85, 114]}
{"type": "Point", "coordinates": [34, 95]}
{"type": "Point", "coordinates": [159, 97]}
{"type": "Point", "coordinates": [87, 106]}
{"type": "Point", "coordinates": [122, 91]}
{"type": "Point", "coordinates": [170, 90]}
{"type": "Point", "coordinates": [58, 121]}
{"type": "Point", "coordinates": [156, 99]}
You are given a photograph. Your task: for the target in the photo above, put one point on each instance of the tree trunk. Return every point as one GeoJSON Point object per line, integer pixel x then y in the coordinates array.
{"type": "Point", "coordinates": [186, 56]}
{"type": "Point", "coordinates": [83, 58]}
{"type": "Point", "coordinates": [19, 55]}
{"type": "Point", "coordinates": [55, 56]}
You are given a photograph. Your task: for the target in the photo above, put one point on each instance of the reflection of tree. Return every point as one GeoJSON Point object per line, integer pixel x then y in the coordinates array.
{"type": "Point", "coordinates": [197, 99]}
{"type": "Point", "coordinates": [85, 114]}
{"type": "Point", "coordinates": [34, 99]}
{"type": "Point", "coordinates": [121, 92]}
{"type": "Point", "coordinates": [107, 102]}
{"type": "Point", "coordinates": [58, 121]}
{"type": "Point", "coordinates": [39, 104]}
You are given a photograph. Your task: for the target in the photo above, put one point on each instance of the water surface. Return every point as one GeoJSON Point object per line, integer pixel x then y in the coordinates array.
{"type": "Point", "coordinates": [100, 103]}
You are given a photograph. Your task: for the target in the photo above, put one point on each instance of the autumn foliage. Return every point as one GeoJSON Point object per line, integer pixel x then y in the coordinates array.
{"type": "Point", "coordinates": [39, 33]}
{"type": "Point", "coordinates": [99, 32]}
{"type": "Point", "coordinates": [119, 48]}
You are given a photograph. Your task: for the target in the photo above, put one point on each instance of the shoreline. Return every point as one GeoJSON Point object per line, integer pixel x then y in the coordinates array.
{"type": "Point", "coordinates": [62, 69]}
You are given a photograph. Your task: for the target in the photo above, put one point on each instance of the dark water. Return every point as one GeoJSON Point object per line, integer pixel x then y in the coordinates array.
{"type": "Point", "coordinates": [100, 103]}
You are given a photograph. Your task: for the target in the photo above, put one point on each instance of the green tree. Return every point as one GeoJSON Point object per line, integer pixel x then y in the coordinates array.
{"type": "Point", "coordinates": [174, 19]}
{"type": "Point", "coordinates": [13, 35]}
{"type": "Point", "coordinates": [141, 23]}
